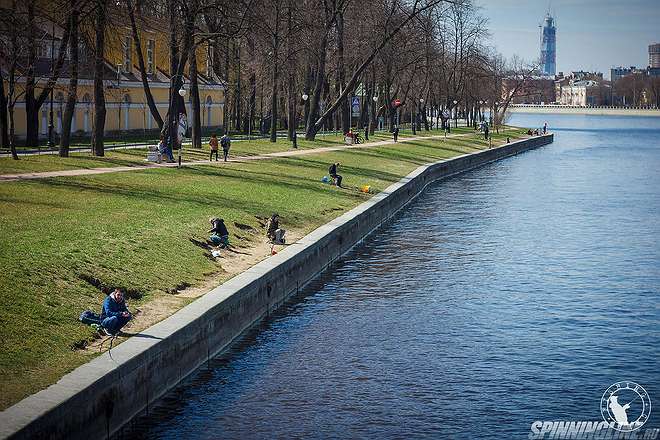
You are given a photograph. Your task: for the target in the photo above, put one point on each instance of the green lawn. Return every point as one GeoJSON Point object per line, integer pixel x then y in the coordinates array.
{"type": "Point", "coordinates": [136, 157]}
{"type": "Point", "coordinates": [64, 237]}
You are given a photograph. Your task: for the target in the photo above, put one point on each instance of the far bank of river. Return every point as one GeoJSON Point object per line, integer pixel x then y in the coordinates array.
{"type": "Point", "coordinates": [599, 111]}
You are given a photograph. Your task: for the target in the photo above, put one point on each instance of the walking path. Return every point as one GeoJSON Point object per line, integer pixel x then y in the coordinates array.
{"type": "Point", "coordinates": [288, 153]}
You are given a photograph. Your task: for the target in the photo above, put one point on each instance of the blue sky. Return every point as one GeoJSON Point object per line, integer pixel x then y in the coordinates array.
{"type": "Point", "coordinates": [591, 34]}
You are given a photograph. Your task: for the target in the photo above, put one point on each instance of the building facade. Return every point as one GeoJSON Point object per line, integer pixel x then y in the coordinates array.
{"type": "Point", "coordinates": [548, 47]}
{"type": "Point", "coordinates": [654, 56]}
{"type": "Point", "coordinates": [126, 105]}
{"type": "Point", "coordinates": [581, 93]}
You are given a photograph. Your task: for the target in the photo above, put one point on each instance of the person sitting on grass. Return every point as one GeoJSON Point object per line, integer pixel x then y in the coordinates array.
{"type": "Point", "coordinates": [219, 232]}
{"type": "Point", "coordinates": [273, 232]}
{"type": "Point", "coordinates": [115, 314]}
{"type": "Point", "coordinates": [333, 173]}
{"type": "Point", "coordinates": [164, 149]}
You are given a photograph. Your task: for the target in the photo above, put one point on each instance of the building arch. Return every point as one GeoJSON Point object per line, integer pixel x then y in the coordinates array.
{"type": "Point", "coordinates": [208, 103]}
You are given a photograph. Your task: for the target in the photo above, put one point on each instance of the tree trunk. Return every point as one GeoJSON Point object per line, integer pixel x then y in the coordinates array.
{"type": "Point", "coordinates": [291, 84]}
{"type": "Point", "coordinates": [249, 122]}
{"type": "Point", "coordinates": [99, 97]}
{"type": "Point", "coordinates": [310, 131]}
{"type": "Point", "coordinates": [4, 127]}
{"type": "Point", "coordinates": [143, 70]}
{"type": "Point", "coordinates": [341, 73]}
{"type": "Point", "coordinates": [194, 95]}
{"type": "Point", "coordinates": [32, 117]}
{"type": "Point", "coordinates": [273, 99]}
{"type": "Point", "coordinates": [65, 139]}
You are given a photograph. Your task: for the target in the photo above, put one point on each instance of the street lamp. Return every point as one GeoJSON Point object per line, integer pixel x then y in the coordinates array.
{"type": "Point", "coordinates": [304, 97]}
{"type": "Point", "coordinates": [421, 107]}
{"type": "Point", "coordinates": [182, 93]}
{"type": "Point", "coordinates": [455, 114]}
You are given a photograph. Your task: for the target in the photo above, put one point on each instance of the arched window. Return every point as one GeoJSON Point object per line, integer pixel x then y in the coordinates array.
{"type": "Point", "coordinates": [127, 107]}
{"type": "Point", "coordinates": [86, 101]}
{"type": "Point", "coordinates": [209, 118]}
{"type": "Point", "coordinates": [59, 98]}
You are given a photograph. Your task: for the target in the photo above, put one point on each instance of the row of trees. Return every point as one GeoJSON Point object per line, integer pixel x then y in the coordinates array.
{"type": "Point", "coordinates": [637, 90]}
{"type": "Point", "coordinates": [286, 63]}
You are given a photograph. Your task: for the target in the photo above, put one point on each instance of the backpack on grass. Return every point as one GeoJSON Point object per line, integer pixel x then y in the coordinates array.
{"type": "Point", "coordinates": [89, 317]}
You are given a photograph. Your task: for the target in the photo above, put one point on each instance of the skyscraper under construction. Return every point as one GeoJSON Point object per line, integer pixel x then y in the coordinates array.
{"type": "Point", "coordinates": [548, 46]}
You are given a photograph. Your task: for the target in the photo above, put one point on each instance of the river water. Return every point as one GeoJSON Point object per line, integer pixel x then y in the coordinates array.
{"type": "Point", "coordinates": [513, 293]}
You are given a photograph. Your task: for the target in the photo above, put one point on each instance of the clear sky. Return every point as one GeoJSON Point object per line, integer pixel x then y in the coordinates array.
{"type": "Point", "coordinates": [591, 34]}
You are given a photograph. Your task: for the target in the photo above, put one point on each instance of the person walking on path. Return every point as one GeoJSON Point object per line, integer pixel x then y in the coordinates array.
{"type": "Point", "coordinates": [486, 131]}
{"type": "Point", "coordinates": [213, 143]}
{"type": "Point", "coordinates": [333, 173]}
{"type": "Point", "coordinates": [115, 314]}
{"type": "Point", "coordinates": [395, 133]}
{"type": "Point", "coordinates": [226, 144]}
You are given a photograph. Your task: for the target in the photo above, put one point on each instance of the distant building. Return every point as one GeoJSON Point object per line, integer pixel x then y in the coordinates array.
{"type": "Point", "coordinates": [581, 93]}
{"type": "Point", "coordinates": [548, 47]}
{"type": "Point", "coordinates": [535, 90]}
{"type": "Point", "coordinates": [616, 73]}
{"type": "Point", "coordinates": [654, 56]}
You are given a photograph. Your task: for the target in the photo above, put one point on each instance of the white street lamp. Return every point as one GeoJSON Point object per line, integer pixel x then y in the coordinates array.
{"type": "Point", "coordinates": [375, 98]}
{"type": "Point", "coordinates": [305, 96]}
{"type": "Point", "coordinates": [182, 91]}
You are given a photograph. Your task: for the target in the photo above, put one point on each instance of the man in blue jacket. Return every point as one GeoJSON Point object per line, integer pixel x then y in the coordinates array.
{"type": "Point", "coordinates": [114, 315]}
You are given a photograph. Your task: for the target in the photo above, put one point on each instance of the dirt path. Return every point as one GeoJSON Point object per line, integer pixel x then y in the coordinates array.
{"type": "Point", "coordinates": [232, 262]}
{"type": "Point", "coordinates": [289, 153]}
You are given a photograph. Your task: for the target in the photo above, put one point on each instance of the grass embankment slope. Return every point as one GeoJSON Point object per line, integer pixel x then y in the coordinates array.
{"type": "Point", "coordinates": [64, 238]}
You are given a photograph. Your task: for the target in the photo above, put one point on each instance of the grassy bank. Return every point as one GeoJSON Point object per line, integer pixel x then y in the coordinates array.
{"type": "Point", "coordinates": [136, 157]}
{"type": "Point", "coordinates": [66, 238]}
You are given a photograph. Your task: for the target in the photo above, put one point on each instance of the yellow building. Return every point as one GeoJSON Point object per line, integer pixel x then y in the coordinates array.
{"type": "Point", "coordinates": [126, 105]}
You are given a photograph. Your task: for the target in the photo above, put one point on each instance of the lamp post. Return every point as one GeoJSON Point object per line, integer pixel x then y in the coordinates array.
{"type": "Point", "coordinates": [182, 94]}
{"type": "Point", "coordinates": [304, 97]}
{"type": "Point", "coordinates": [421, 108]}
{"type": "Point", "coordinates": [51, 143]}
{"type": "Point", "coordinates": [455, 114]}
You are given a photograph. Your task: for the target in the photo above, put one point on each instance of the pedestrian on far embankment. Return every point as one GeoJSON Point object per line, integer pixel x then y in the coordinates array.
{"type": "Point", "coordinates": [213, 143]}
{"type": "Point", "coordinates": [395, 133]}
{"type": "Point", "coordinates": [226, 144]}
{"type": "Point", "coordinates": [486, 131]}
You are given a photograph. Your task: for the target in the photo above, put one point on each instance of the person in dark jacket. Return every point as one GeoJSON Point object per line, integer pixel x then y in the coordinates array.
{"type": "Point", "coordinates": [395, 133]}
{"type": "Point", "coordinates": [333, 173]}
{"type": "Point", "coordinates": [219, 232]}
{"type": "Point", "coordinates": [225, 142]}
{"type": "Point", "coordinates": [115, 314]}
{"type": "Point", "coordinates": [274, 233]}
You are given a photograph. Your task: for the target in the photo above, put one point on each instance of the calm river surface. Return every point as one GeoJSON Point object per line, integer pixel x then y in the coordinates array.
{"type": "Point", "coordinates": [513, 293]}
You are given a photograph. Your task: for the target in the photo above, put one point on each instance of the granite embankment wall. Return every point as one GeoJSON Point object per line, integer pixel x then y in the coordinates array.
{"type": "Point", "coordinates": [99, 398]}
